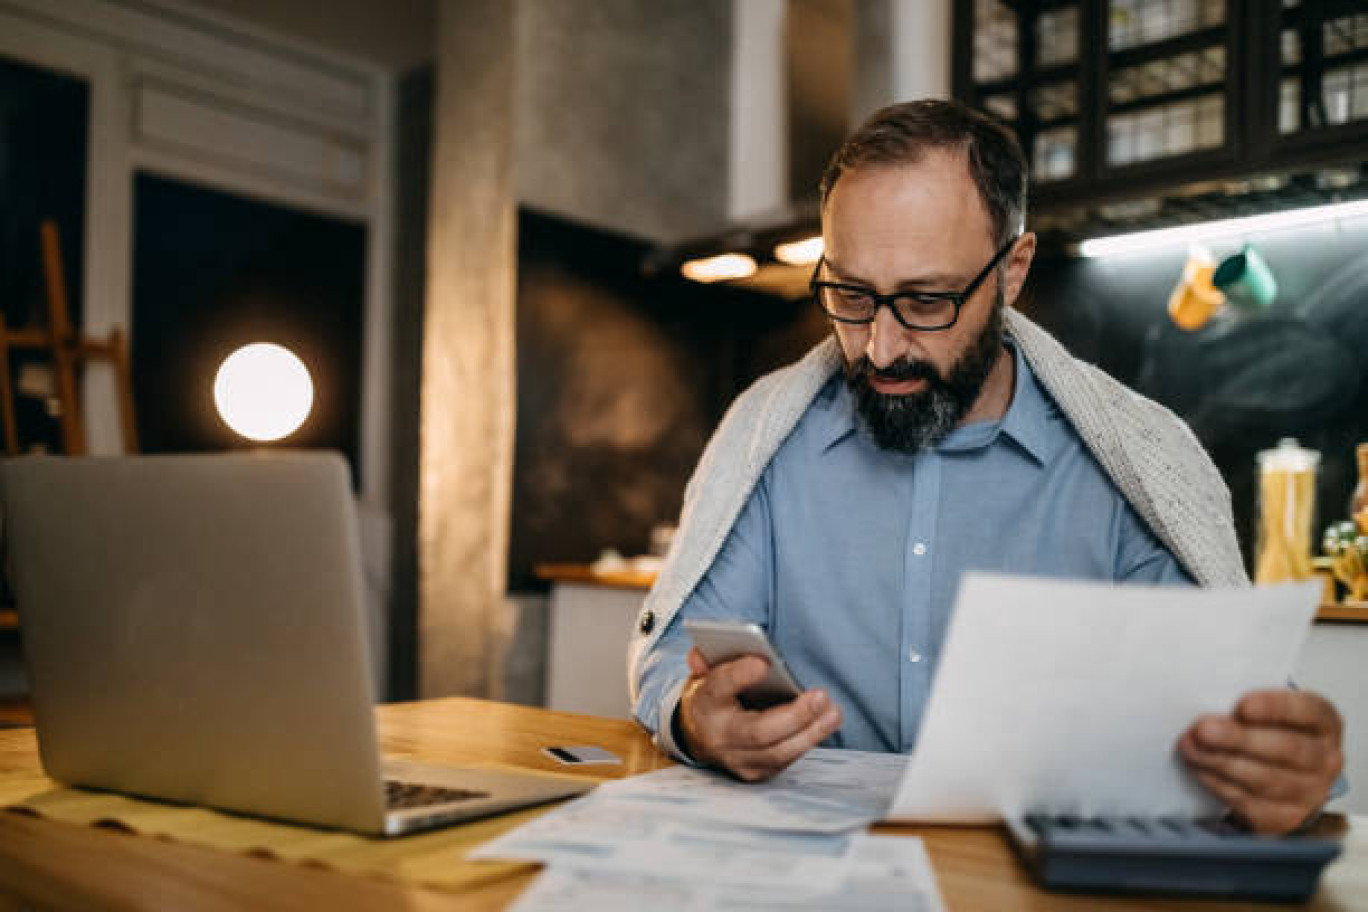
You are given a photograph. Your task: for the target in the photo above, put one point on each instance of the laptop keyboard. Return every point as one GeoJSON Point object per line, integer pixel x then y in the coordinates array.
{"type": "Point", "coordinates": [403, 795]}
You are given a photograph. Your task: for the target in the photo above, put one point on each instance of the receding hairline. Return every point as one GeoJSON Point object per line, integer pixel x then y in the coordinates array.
{"type": "Point", "coordinates": [903, 133]}
{"type": "Point", "coordinates": [908, 157]}
{"type": "Point", "coordinates": [954, 149]}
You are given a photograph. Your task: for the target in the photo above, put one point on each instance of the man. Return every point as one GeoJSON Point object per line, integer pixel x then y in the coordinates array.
{"type": "Point", "coordinates": [939, 432]}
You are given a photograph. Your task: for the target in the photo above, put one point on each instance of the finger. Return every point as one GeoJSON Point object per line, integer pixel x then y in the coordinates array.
{"type": "Point", "coordinates": [698, 666]}
{"type": "Point", "coordinates": [1258, 779]}
{"type": "Point", "coordinates": [1300, 709]}
{"type": "Point", "coordinates": [1290, 748]}
{"type": "Point", "coordinates": [1266, 817]}
{"type": "Point", "coordinates": [727, 679]}
{"type": "Point", "coordinates": [754, 765]}
{"type": "Point", "coordinates": [763, 729]}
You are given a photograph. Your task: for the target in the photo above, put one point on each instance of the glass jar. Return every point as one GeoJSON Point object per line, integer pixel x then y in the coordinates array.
{"type": "Point", "coordinates": [1287, 499]}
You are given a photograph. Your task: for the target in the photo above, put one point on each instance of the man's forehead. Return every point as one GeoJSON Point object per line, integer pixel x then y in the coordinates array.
{"type": "Point", "coordinates": [921, 223]}
{"type": "Point", "coordinates": [937, 191]}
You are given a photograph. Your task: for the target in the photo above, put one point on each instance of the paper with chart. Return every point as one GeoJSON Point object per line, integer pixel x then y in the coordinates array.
{"type": "Point", "coordinates": [884, 872]}
{"type": "Point", "coordinates": [1070, 697]}
{"type": "Point", "coordinates": [826, 791]}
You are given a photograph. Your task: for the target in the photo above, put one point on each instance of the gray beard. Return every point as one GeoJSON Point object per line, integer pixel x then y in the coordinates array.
{"type": "Point", "coordinates": [912, 422]}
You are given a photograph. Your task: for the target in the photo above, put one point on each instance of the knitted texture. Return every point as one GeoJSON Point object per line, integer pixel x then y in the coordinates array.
{"type": "Point", "coordinates": [1152, 457]}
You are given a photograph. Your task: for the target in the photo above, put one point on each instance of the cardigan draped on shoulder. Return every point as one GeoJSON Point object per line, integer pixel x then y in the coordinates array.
{"type": "Point", "coordinates": [1151, 456]}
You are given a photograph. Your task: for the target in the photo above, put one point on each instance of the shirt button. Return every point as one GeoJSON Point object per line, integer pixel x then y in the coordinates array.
{"type": "Point", "coordinates": [919, 549]}
{"type": "Point", "coordinates": [647, 622]}
{"type": "Point", "coordinates": [913, 655]}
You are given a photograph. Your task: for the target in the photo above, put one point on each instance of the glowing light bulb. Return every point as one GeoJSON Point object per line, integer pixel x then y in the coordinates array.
{"type": "Point", "coordinates": [720, 268]}
{"type": "Point", "coordinates": [800, 253]}
{"type": "Point", "coordinates": [263, 391]}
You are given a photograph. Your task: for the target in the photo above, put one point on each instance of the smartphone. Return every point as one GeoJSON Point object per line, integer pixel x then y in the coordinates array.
{"type": "Point", "coordinates": [723, 641]}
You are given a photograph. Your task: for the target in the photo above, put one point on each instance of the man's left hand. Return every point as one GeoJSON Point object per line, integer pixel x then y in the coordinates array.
{"type": "Point", "coordinates": [1273, 760]}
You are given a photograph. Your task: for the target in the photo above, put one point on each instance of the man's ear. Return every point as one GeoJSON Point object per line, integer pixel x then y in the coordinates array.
{"type": "Point", "coordinates": [1018, 267]}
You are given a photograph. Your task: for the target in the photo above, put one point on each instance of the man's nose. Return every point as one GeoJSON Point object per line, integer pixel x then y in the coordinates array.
{"type": "Point", "coordinates": [887, 339]}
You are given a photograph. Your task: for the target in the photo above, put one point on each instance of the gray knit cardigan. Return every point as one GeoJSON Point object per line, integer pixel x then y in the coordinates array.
{"type": "Point", "coordinates": [1149, 453]}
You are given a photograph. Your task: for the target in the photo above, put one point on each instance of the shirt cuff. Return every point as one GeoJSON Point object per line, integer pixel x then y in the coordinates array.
{"type": "Point", "coordinates": [665, 726]}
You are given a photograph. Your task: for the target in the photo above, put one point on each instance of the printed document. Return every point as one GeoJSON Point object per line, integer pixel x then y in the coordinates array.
{"type": "Point", "coordinates": [1070, 697]}
{"type": "Point", "coordinates": [825, 791]}
{"type": "Point", "coordinates": [603, 833]}
{"type": "Point", "coordinates": [886, 873]}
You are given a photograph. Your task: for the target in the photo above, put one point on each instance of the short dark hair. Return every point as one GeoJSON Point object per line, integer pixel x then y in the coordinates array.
{"type": "Point", "coordinates": [901, 133]}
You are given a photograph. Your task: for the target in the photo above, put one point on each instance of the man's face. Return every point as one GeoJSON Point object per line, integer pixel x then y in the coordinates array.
{"type": "Point", "coordinates": [919, 227]}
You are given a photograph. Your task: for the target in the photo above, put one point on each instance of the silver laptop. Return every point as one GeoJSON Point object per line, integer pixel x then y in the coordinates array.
{"type": "Point", "coordinates": [194, 632]}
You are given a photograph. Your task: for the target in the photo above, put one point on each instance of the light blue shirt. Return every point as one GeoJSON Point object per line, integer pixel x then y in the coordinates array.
{"type": "Point", "coordinates": [850, 556]}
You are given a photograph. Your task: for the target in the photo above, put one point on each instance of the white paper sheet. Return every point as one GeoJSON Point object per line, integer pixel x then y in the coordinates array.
{"type": "Point", "coordinates": [886, 872]}
{"type": "Point", "coordinates": [825, 791]}
{"type": "Point", "coordinates": [1070, 697]}
{"type": "Point", "coordinates": [603, 833]}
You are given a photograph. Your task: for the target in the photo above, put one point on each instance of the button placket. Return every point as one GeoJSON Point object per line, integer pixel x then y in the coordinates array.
{"type": "Point", "coordinates": [917, 567]}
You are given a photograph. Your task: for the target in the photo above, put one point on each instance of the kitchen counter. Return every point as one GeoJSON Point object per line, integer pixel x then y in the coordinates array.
{"type": "Point", "coordinates": [584, 574]}
{"type": "Point", "coordinates": [1339, 613]}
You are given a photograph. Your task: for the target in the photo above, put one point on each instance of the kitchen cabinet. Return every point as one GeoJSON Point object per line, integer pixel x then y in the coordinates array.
{"type": "Point", "coordinates": [1121, 99]}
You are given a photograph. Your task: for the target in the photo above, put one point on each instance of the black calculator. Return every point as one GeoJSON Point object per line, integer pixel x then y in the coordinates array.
{"type": "Point", "coordinates": [1212, 858]}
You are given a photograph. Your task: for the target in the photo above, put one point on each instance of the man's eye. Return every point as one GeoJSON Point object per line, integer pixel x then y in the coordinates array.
{"type": "Point", "coordinates": [925, 305]}
{"type": "Point", "coordinates": [853, 295]}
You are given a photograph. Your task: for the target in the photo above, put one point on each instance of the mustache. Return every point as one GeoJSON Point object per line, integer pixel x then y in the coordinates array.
{"type": "Point", "coordinates": [903, 368]}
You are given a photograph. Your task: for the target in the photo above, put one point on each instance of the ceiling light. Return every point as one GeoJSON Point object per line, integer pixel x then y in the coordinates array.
{"type": "Point", "coordinates": [719, 268]}
{"type": "Point", "coordinates": [800, 253]}
{"type": "Point", "coordinates": [1145, 241]}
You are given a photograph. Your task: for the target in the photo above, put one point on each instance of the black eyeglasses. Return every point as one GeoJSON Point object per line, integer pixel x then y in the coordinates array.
{"type": "Point", "coordinates": [926, 311]}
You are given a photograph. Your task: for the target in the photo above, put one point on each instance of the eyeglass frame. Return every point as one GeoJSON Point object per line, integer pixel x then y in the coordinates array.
{"type": "Point", "coordinates": [959, 298]}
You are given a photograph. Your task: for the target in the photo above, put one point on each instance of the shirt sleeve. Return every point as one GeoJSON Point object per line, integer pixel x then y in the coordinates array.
{"type": "Point", "coordinates": [738, 586]}
{"type": "Point", "coordinates": [1142, 558]}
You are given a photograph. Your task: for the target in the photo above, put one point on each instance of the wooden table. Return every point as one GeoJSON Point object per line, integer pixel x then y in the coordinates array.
{"type": "Point", "coordinates": [50, 865]}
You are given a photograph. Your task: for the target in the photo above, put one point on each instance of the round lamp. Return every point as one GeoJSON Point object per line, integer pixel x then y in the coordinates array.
{"type": "Point", "coordinates": [263, 391]}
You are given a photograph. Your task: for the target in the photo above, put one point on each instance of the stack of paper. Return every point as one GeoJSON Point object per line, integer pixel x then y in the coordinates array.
{"type": "Point", "coordinates": [690, 839]}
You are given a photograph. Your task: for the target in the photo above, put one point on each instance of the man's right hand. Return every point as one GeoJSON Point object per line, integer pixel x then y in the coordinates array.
{"type": "Point", "coordinates": [753, 745]}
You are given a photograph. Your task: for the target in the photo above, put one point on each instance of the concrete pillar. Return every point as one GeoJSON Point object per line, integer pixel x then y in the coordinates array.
{"type": "Point", "coordinates": [622, 113]}
{"type": "Point", "coordinates": [758, 146]}
{"type": "Point", "coordinates": [468, 355]}
{"type": "Point", "coordinates": [903, 52]}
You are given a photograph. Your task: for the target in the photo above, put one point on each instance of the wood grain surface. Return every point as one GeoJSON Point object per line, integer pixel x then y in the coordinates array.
{"type": "Point", "coordinates": [50, 865]}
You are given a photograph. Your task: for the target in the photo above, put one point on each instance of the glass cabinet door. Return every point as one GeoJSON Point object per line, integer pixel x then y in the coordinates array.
{"type": "Point", "coordinates": [1323, 78]}
{"type": "Point", "coordinates": [1026, 72]}
{"type": "Point", "coordinates": [1167, 79]}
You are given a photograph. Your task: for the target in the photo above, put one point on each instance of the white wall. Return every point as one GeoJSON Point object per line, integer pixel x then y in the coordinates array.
{"type": "Point", "coordinates": [1334, 662]}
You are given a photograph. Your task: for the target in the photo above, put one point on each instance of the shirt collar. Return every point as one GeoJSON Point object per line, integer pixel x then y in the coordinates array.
{"type": "Point", "coordinates": [1026, 422]}
{"type": "Point", "coordinates": [834, 410]}
{"type": "Point", "coordinates": [1028, 418]}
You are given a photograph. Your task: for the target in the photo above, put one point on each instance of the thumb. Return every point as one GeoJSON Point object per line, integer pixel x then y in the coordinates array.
{"type": "Point", "coordinates": [698, 666]}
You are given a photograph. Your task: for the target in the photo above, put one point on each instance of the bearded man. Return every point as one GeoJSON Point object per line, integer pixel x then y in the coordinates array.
{"type": "Point", "coordinates": [937, 432]}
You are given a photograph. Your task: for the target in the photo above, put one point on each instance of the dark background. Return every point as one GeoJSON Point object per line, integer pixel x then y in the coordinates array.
{"type": "Point", "coordinates": [213, 272]}
{"type": "Point", "coordinates": [621, 379]}
{"type": "Point", "coordinates": [42, 175]}
{"type": "Point", "coordinates": [1242, 382]}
